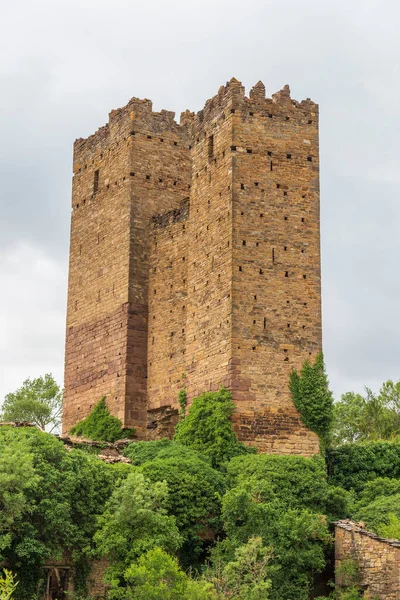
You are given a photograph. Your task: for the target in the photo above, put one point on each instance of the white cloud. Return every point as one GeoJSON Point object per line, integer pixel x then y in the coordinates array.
{"type": "Point", "coordinates": [32, 309]}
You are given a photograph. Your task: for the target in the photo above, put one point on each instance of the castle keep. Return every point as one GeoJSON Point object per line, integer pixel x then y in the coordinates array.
{"type": "Point", "coordinates": [195, 259]}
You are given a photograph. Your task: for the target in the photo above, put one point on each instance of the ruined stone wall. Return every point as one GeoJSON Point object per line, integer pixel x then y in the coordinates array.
{"type": "Point", "coordinates": [378, 560]}
{"type": "Point", "coordinates": [167, 307]}
{"type": "Point", "coordinates": [276, 285]}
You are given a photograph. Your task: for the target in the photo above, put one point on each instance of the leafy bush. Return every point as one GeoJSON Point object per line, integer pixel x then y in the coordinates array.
{"type": "Point", "coordinates": [156, 576]}
{"type": "Point", "coordinates": [381, 514]}
{"type": "Point", "coordinates": [135, 520]}
{"type": "Point", "coordinates": [7, 585]}
{"type": "Point", "coordinates": [100, 425]}
{"type": "Point", "coordinates": [195, 491]}
{"type": "Point", "coordinates": [247, 576]}
{"type": "Point", "coordinates": [351, 466]}
{"type": "Point", "coordinates": [207, 428]}
{"type": "Point", "coordinates": [295, 481]}
{"type": "Point", "coordinates": [141, 452]}
{"type": "Point", "coordinates": [312, 397]}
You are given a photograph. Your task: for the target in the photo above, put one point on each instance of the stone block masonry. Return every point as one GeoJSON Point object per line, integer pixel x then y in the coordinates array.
{"type": "Point", "coordinates": [195, 260]}
{"type": "Point", "coordinates": [378, 560]}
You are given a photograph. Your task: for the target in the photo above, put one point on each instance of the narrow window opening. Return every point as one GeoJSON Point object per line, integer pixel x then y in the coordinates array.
{"type": "Point", "coordinates": [210, 147]}
{"type": "Point", "coordinates": [286, 359]}
{"type": "Point", "coordinates": [261, 215]}
{"type": "Point", "coordinates": [175, 182]}
{"type": "Point", "coordinates": [242, 213]}
{"type": "Point", "coordinates": [256, 183]}
{"type": "Point", "coordinates": [244, 243]}
{"type": "Point", "coordinates": [309, 158]}
{"type": "Point", "coordinates": [242, 186]}
{"type": "Point", "coordinates": [261, 271]}
{"type": "Point", "coordinates": [149, 137]}
{"type": "Point", "coordinates": [289, 156]}
{"type": "Point", "coordinates": [310, 122]}
{"type": "Point", "coordinates": [285, 218]}
{"type": "Point", "coordinates": [270, 166]}
{"type": "Point", "coordinates": [285, 193]}
{"type": "Point", "coordinates": [254, 321]}
{"type": "Point", "coordinates": [302, 219]}
{"type": "Point", "coordinates": [175, 143]}
{"type": "Point", "coordinates": [96, 181]}
{"type": "Point", "coordinates": [255, 297]}
{"type": "Point", "coordinates": [147, 177]}
{"type": "Point", "coordinates": [257, 244]}
{"type": "Point", "coordinates": [286, 273]}
{"type": "Point", "coordinates": [161, 139]}
{"type": "Point", "coordinates": [240, 268]}
{"type": "Point", "coordinates": [288, 325]}
{"type": "Point", "coordinates": [278, 185]}
{"type": "Point", "coordinates": [273, 254]}
{"type": "Point", "coordinates": [251, 114]}
{"type": "Point", "coordinates": [253, 347]}
{"type": "Point", "coordinates": [232, 111]}
{"type": "Point", "coordinates": [302, 251]}
{"type": "Point", "coordinates": [249, 151]}
{"type": "Point", "coordinates": [270, 116]}
{"type": "Point", "coordinates": [304, 276]}
{"type": "Point", "coordinates": [285, 248]}
{"type": "Point", "coordinates": [160, 180]}
{"type": "Point", "coordinates": [265, 322]}
{"type": "Point", "coordinates": [269, 153]}
{"type": "Point", "coordinates": [287, 118]}
{"type": "Point", "coordinates": [233, 148]}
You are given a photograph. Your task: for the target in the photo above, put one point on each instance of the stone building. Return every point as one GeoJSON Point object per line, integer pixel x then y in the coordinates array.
{"type": "Point", "coordinates": [195, 259]}
{"type": "Point", "coordinates": [377, 560]}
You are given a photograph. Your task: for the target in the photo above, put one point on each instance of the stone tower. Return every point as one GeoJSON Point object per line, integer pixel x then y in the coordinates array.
{"type": "Point", "coordinates": [195, 258]}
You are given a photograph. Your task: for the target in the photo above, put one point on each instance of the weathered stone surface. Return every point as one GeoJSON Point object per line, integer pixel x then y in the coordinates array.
{"type": "Point", "coordinates": [195, 258]}
{"type": "Point", "coordinates": [378, 560]}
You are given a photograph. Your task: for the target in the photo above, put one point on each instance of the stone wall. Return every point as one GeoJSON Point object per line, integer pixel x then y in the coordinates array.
{"type": "Point", "coordinates": [378, 560]}
{"type": "Point", "coordinates": [222, 287]}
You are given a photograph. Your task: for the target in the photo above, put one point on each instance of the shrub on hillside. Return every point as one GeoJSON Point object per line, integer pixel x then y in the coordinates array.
{"type": "Point", "coordinates": [141, 452]}
{"type": "Point", "coordinates": [207, 428]}
{"type": "Point", "coordinates": [351, 466]}
{"type": "Point", "coordinates": [100, 425]}
{"type": "Point", "coordinates": [194, 499]}
{"type": "Point", "coordinates": [294, 481]}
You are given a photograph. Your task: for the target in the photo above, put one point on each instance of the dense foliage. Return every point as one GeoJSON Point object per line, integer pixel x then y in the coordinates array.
{"type": "Point", "coordinates": [207, 427]}
{"type": "Point", "coordinates": [141, 452]}
{"type": "Point", "coordinates": [312, 397]}
{"type": "Point", "coordinates": [49, 502]}
{"type": "Point", "coordinates": [37, 401]}
{"type": "Point", "coordinates": [351, 466]}
{"type": "Point", "coordinates": [100, 425]}
{"type": "Point", "coordinates": [200, 516]}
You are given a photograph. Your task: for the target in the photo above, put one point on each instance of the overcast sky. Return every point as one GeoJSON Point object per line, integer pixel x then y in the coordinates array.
{"type": "Point", "coordinates": [64, 64]}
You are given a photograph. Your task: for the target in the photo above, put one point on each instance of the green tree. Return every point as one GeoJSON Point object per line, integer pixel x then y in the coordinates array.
{"type": "Point", "coordinates": [207, 427]}
{"type": "Point", "coordinates": [37, 401]}
{"type": "Point", "coordinates": [156, 576]}
{"type": "Point", "coordinates": [100, 425]}
{"type": "Point", "coordinates": [246, 577]}
{"type": "Point", "coordinates": [369, 417]}
{"type": "Point", "coordinates": [135, 520]}
{"type": "Point", "coordinates": [194, 499]}
{"type": "Point", "coordinates": [312, 397]}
